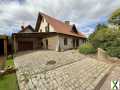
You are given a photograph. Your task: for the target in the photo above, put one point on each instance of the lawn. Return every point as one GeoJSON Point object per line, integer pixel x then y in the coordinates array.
{"type": "Point", "coordinates": [9, 63]}
{"type": "Point", "coordinates": [9, 82]}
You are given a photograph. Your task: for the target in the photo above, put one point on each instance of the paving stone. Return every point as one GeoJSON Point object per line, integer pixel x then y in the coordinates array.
{"type": "Point", "coordinates": [72, 71]}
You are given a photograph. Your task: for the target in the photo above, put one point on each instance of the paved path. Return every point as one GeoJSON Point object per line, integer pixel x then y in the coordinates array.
{"type": "Point", "coordinates": [114, 75]}
{"type": "Point", "coordinates": [72, 71]}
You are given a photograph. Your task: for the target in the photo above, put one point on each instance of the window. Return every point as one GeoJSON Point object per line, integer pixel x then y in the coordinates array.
{"type": "Point", "coordinates": [40, 30]}
{"type": "Point", "coordinates": [77, 42]}
{"type": "Point", "coordinates": [47, 28]}
{"type": "Point", "coordinates": [65, 41]}
{"type": "Point", "coordinates": [42, 20]}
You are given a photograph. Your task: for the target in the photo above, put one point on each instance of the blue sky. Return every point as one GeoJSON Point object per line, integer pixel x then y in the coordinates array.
{"type": "Point", "coordinates": [86, 14]}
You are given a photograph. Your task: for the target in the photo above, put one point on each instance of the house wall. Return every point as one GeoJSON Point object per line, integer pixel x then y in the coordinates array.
{"type": "Point", "coordinates": [52, 42]}
{"type": "Point", "coordinates": [69, 42]}
{"type": "Point", "coordinates": [81, 41]}
{"type": "Point", "coordinates": [44, 23]}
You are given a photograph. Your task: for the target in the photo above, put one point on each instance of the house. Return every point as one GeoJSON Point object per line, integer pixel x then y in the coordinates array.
{"type": "Point", "coordinates": [49, 33]}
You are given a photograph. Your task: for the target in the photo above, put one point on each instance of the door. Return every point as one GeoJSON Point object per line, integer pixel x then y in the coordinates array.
{"type": "Point", "coordinates": [25, 45]}
{"type": "Point", "coordinates": [46, 44]}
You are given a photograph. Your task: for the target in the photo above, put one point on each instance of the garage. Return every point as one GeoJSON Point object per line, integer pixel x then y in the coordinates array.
{"type": "Point", "coordinates": [25, 45]}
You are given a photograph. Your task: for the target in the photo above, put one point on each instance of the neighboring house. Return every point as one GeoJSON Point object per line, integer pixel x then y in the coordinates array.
{"type": "Point", "coordinates": [49, 33]}
{"type": "Point", "coordinates": [28, 29]}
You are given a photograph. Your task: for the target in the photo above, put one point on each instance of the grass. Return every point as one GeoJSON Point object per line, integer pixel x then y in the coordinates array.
{"type": "Point", "coordinates": [9, 82]}
{"type": "Point", "coordinates": [9, 62]}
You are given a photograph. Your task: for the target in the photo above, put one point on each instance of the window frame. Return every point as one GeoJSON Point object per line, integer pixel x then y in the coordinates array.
{"type": "Point", "coordinates": [65, 41]}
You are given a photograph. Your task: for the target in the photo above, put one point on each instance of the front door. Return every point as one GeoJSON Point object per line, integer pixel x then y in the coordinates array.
{"type": "Point", "coordinates": [46, 43]}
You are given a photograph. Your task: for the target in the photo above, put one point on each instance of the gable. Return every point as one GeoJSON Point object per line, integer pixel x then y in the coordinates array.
{"type": "Point", "coordinates": [74, 29]}
{"type": "Point", "coordinates": [43, 25]}
{"type": "Point", "coordinates": [27, 29]}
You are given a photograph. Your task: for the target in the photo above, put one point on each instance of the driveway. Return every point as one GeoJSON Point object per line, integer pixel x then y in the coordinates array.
{"type": "Point", "coordinates": [50, 70]}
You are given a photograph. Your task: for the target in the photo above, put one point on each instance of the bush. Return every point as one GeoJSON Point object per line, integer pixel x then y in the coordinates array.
{"type": "Point", "coordinates": [87, 48]}
{"type": "Point", "coordinates": [114, 51]}
{"type": "Point", "coordinates": [9, 57]}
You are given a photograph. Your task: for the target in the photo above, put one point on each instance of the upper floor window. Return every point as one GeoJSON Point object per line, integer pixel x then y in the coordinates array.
{"type": "Point", "coordinates": [40, 30]}
{"type": "Point", "coordinates": [47, 28]}
{"type": "Point", "coordinates": [65, 41]}
{"type": "Point", "coordinates": [42, 20]}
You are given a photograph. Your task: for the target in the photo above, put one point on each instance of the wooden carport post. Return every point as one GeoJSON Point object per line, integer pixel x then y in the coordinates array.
{"type": "Point", "coordinates": [14, 42]}
{"type": "Point", "coordinates": [5, 47]}
{"type": "Point", "coordinates": [5, 40]}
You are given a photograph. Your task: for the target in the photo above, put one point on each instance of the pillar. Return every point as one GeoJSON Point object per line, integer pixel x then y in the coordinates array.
{"type": "Point", "coordinates": [5, 47]}
{"type": "Point", "coordinates": [14, 48]}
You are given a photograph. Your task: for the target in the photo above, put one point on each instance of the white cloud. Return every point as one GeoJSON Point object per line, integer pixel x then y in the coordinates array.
{"type": "Point", "coordinates": [13, 13]}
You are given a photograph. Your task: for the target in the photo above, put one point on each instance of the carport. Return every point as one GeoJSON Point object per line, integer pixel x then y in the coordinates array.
{"type": "Point", "coordinates": [3, 45]}
{"type": "Point", "coordinates": [30, 41]}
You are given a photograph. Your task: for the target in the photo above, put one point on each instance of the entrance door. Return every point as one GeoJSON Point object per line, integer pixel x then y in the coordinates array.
{"type": "Point", "coordinates": [25, 45]}
{"type": "Point", "coordinates": [46, 44]}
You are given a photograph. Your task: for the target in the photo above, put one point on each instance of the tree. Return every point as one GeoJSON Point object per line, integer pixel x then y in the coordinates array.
{"type": "Point", "coordinates": [98, 27]}
{"type": "Point", "coordinates": [115, 17]}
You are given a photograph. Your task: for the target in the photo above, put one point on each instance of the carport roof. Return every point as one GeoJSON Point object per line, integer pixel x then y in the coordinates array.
{"type": "Point", "coordinates": [40, 35]}
{"type": "Point", "coordinates": [35, 34]}
{"type": "Point", "coordinates": [3, 37]}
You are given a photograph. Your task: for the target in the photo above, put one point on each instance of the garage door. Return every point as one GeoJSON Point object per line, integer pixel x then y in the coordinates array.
{"type": "Point", "coordinates": [25, 45]}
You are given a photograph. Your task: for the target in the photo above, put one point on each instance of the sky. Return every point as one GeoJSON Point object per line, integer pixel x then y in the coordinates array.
{"type": "Point", "coordinates": [86, 14]}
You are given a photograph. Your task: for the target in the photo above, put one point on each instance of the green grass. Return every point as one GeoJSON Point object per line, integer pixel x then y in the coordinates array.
{"type": "Point", "coordinates": [9, 82]}
{"type": "Point", "coordinates": [9, 62]}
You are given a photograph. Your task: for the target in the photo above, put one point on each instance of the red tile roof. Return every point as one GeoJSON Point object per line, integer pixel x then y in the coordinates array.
{"type": "Point", "coordinates": [61, 27]}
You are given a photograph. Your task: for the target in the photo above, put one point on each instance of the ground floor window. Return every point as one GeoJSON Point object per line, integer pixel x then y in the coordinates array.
{"type": "Point", "coordinates": [77, 42]}
{"type": "Point", "coordinates": [73, 43]}
{"type": "Point", "coordinates": [65, 41]}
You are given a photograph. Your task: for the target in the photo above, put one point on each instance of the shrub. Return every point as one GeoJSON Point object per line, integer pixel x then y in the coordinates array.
{"type": "Point", "coordinates": [9, 57]}
{"type": "Point", "coordinates": [114, 51]}
{"type": "Point", "coordinates": [87, 48]}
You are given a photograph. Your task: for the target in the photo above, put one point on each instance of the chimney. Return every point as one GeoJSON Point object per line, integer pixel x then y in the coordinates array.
{"type": "Point", "coordinates": [67, 22]}
{"type": "Point", "coordinates": [22, 27]}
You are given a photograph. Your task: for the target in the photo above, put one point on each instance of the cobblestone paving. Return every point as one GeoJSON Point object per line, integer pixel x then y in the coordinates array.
{"type": "Point", "coordinates": [114, 75]}
{"type": "Point", "coordinates": [71, 72]}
